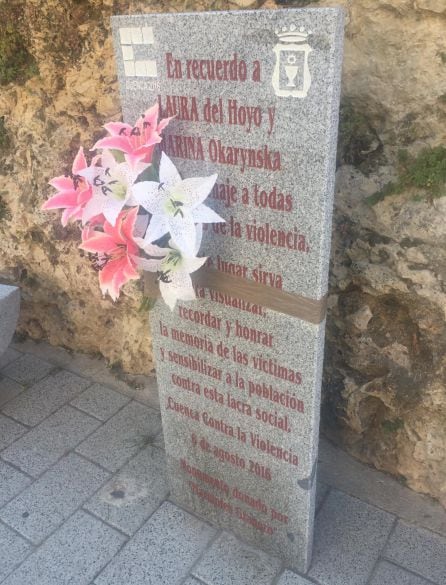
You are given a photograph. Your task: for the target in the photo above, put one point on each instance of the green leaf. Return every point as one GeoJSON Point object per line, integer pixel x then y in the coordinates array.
{"type": "Point", "coordinates": [118, 155]}
{"type": "Point", "coordinates": [149, 174]}
{"type": "Point", "coordinates": [426, 171]}
{"type": "Point", "coordinates": [147, 304]}
{"type": "Point", "coordinates": [387, 190]}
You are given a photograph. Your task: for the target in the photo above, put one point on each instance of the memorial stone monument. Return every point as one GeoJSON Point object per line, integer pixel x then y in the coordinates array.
{"type": "Point", "coordinates": [256, 97]}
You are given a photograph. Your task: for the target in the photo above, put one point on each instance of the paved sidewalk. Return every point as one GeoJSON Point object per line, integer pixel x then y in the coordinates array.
{"type": "Point", "coordinates": [84, 497]}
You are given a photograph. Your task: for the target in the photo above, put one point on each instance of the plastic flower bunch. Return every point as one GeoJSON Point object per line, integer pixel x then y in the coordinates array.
{"type": "Point", "coordinates": [124, 215]}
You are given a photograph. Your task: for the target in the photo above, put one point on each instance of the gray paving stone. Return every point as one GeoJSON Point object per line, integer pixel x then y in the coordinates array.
{"type": "Point", "coordinates": [9, 389]}
{"type": "Point", "coordinates": [161, 552]}
{"type": "Point", "coordinates": [418, 550]}
{"type": "Point", "coordinates": [159, 441]}
{"type": "Point", "coordinates": [341, 471]}
{"type": "Point", "coordinates": [71, 556]}
{"type": "Point", "coordinates": [230, 561]}
{"type": "Point", "coordinates": [192, 581]}
{"type": "Point", "coordinates": [388, 574]}
{"type": "Point", "coordinates": [10, 431]}
{"type": "Point", "coordinates": [141, 388]}
{"type": "Point", "coordinates": [321, 492]}
{"type": "Point", "coordinates": [84, 365]}
{"type": "Point", "coordinates": [100, 401]}
{"type": "Point", "coordinates": [45, 397]}
{"type": "Point", "coordinates": [28, 369]}
{"type": "Point", "coordinates": [349, 536]}
{"type": "Point", "coordinates": [122, 436]}
{"type": "Point", "coordinates": [12, 482]}
{"type": "Point", "coordinates": [289, 578]}
{"type": "Point", "coordinates": [9, 356]}
{"type": "Point", "coordinates": [43, 445]}
{"type": "Point", "coordinates": [42, 508]}
{"type": "Point", "coordinates": [129, 498]}
{"type": "Point", "coordinates": [78, 363]}
{"type": "Point", "coordinates": [13, 551]}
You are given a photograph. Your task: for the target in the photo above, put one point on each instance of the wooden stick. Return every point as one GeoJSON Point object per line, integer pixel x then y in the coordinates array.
{"type": "Point", "coordinates": [304, 308]}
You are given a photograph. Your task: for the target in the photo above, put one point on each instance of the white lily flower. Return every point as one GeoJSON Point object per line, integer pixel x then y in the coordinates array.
{"type": "Point", "coordinates": [173, 269]}
{"type": "Point", "coordinates": [112, 184]}
{"type": "Point", "coordinates": [176, 205]}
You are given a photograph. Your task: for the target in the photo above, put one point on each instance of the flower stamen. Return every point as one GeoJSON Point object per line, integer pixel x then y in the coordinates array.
{"type": "Point", "coordinates": [163, 276]}
{"type": "Point", "coordinates": [76, 180]}
{"type": "Point", "coordinates": [97, 182]}
{"type": "Point", "coordinates": [99, 261]}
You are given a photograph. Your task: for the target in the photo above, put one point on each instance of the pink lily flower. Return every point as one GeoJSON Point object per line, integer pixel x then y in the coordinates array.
{"type": "Point", "coordinates": [111, 183]}
{"type": "Point", "coordinates": [113, 252]}
{"type": "Point", "coordinates": [73, 193]}
{"type": "Point", "coordinates": [137, 142]}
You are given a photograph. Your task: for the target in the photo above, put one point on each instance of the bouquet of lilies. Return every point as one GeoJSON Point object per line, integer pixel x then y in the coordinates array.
{"type": "Point", "coordinates": [135, 213]}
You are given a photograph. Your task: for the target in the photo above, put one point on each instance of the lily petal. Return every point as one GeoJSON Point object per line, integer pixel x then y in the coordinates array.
{"type": "Point", "coordinates": [204, 214]}
{"type": "Point", "coordinates": [67, 215]}
{"type": "Point", "coordinates": [116, 128]}
{"type": "Point", "coordinates": [98, 243]}
{"type": "Point", "coordinates": [62, 183]}
{"type": "Point", "coordinates": [111, 209]}
{"type": "Point", "coordinates": [148, 195]}
{"type": "Point", "coordinates": [61, 200]}
{"type": "Point", "coordinates": [114, 142]}
{"type": "Point", "coordinates": [106, 278]}
{"type": "Point", "coordinates": [169, 176]}
{"type": "Point", "coordinates": [183, 233]}
{"type": "Point", "coordinates": [151, 249]}
{"type": "Point", "coordinates": [90, 173]}
{"type": "Point", "coordinates": [155, 138]}
{"type": "Point", "coordinates": [151, 114]}
{"type": "Point", "coordinates": [79, 162]}
{"type": "Point", "coordinates": [198, 237]}
{"type": "Point", "coordinates": [180, 288]}
{"type": "Point", "coordinates": [163, 123]}
{"type": "Point", "coordinates": [108, 160]}
{"type": "Point", "coordinates": [194, 191]}
{"type": "Point", "coordinates": [128, 223]}
{"type": "Point", "coordinates": [158, 226]}
{"type": "Point", "coordinates": [192, 264]}
{"type": "Point", "coordinates": [85, 195]}
{"type": "Point", "coordinates": [93, 208]}
{"type": "Point", "coordinates": [150, 265]}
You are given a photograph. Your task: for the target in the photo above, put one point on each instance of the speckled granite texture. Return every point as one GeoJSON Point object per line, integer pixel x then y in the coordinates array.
{"type": "Point", "coordinates": [240, 384]}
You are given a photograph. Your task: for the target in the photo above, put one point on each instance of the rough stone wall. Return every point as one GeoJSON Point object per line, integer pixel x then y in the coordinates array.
{"type": "Point", "coordinates": [384, 389]}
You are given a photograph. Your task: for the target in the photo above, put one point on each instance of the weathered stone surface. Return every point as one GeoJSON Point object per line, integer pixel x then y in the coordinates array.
{"type": "Point", "coordinates": [394, 90]}
{"type": "Point", "coordinates": [386, 346]}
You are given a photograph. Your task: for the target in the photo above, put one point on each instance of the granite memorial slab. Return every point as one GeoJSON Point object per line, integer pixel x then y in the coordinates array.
{"type": "Point", "coordinates": [256, 98]}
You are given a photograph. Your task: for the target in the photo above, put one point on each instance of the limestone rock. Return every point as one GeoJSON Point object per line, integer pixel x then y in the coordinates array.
{"type": "Point", "coordinates": [245, 3]}
{"type": "Point", "coordinates": [386, 348]}
{"type": "Point", "coordinates": [432, 5]}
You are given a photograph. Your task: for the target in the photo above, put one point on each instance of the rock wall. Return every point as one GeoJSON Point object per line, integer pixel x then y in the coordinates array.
{"type": "Point", "coordinates": [384, 389]}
